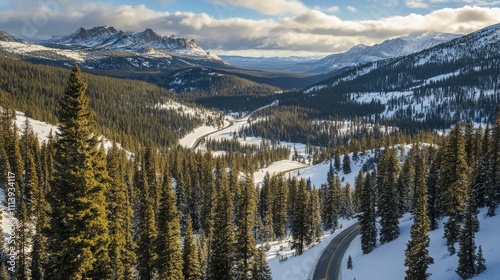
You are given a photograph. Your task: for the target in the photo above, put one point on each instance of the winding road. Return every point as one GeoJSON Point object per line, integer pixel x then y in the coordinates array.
{"type": "Point", "coordinates": [231, 123]}
{"type": "Point", "coordinates": [329, 263]}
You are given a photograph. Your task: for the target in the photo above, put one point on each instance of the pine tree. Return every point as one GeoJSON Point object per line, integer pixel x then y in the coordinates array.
{"type": "Point", "coordinates": [337, 161]}
{"type": "Point", "coordinates": [78, 235]}
{"type": "Point", "coordinates": [208, 210]}
{"type": "Point", "coordinates": [347, 210]}
{"type": "Point", "coordinates": [300, 228]}
{"type": "Point", "coordinates": [245, 250]}
{"type": "Point", "coordinates": [22, 243]}
{"type": "Point", "coordinates": [40, 210]}
{"type": "Point", "coordinates": [39, 250]}
{"type": "Point", "coordinates": [417, 254]}
{"type": "Point", "coordinates": [169, 234]}
{"type": "Point", "coordinates": [261, 270]}
{"type": "Point", "coordinates": [335, 189]}
{"type": "Point", "coordinates": [346, 164]}
{"type": "Point", "coordinates": [314, 216]}
{"type": "Point", "coordinates": [387, 180]}
{"type": "Point", "coordinates": [406, 186]}
{"type": "Point", "coordinates": [222, 247]}
{"type": "Point", "coordinates": [433, 189]}
{"type": "Point", "coordinates": [265, 206]}
{"type": "Point", "coordinates": [191, 268]}
{"type": "Point", "coordinates": [483, 179]}
{"type": "Point", "coordinates": [480, 261]}
{"type": "Point", "coordinates": [349, 262]}
{"type": "Point", "coordinates": [119, 217]}
{"type": "Point", "coordinates": [146, 228]}
{"type": "Point", "coordinates": [467, 259]}
{"type": "Point", "coordinates": [493, 184]}
{"type": "Point", "coordinates": [454, 181]}
{"type": "Point", "coordinates": [280, 208]}
{"type": "Point", "coordinates": [367, 218]}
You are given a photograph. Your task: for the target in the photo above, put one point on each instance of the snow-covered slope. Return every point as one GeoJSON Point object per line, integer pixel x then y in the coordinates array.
{"type": "Point", "coordinates": [362, 54]}
{"type": "Point", "coordinates": [387, 261]}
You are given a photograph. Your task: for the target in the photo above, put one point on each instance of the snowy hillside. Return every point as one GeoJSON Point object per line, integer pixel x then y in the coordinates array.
{"type": "Point", "coordinates": [387, 261]}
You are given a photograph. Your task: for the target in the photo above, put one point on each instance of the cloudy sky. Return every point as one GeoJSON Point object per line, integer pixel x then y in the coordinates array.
{"type": "Point", "coordinates": [254, 27]}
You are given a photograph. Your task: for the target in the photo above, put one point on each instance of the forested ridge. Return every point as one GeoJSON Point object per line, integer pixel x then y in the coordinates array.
{"type": "Point", "coordinates": [126, 108]}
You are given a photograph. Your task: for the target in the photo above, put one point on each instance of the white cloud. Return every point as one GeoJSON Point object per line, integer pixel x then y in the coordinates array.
{"type": "Point", "coordinates": [333, 9]}
{"type": "Point", "coordinates": [417, 4]}
{"type": "Point", "coordinates": [352, 9]}
{"type": "Point", "coordinates": [312, 32]}
{"type": "Point", "coordinates": [268, 7]}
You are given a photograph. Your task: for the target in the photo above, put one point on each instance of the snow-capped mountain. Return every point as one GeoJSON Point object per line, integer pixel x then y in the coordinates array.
{"type": "Point", "coordinates": [105, 47]}
{"type": "Point", "coordinates": [109, 38]}
{"type": "Point", "coordinates": [362, 54]}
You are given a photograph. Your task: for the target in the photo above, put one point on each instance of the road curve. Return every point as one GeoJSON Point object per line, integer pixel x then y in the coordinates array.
{"type": "Point", "coordinates": [329, 263]}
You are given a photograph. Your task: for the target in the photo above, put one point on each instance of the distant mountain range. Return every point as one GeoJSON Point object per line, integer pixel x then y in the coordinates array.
{"type": "Point", "coordinates": [362, 54]}
{"type": "Point", "coordinates": [357, 55]}
{"type": "Point", "coordinates": [105, 47]}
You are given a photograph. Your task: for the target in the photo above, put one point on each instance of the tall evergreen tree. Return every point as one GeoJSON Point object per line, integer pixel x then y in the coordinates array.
{"type": "Point", "coordinates": [78, 235]}
{"type": "Point", "coordinates": [261, 270]}
{"type": "Point", "coordinates": [146, 228]}
{"type": "Point", "coordinates": [493, 187]}
{"type": "Point", "coordinates": [22, 243]}
{"type": "Point", "coordinates": [121, 247]}
{"type": "Point", "coordinates": [280, 208]}
{"type": "Point", "coordinates": [417, 254]}
{"type": "Point", "coordinates": [245, 250]}
{"type": "Point", "coordinates": [265, 206]}
{"type": "Point", "coordinates": [169, 234]}
{"type": "Point", "coordinates": [483, 179]}
{"type": "Point", "coordinates": [300, 221]}
{"type": "Point", "coordinates": [314, 216]}
{"type": "Point", "coordinates": [222, 247]}
{"type": "Point", "coordinates": [191, 268]}
{"type": "Point", "coordinates": [434, 194]}
{"type": "Point", "coordinates": [387, 180]}
{"type": "Point", "coordinates": [480, 261]}
{"type": "Point", "coordinates": [337, 161]}
{"type": "Point", "coordinates": [367, 218]}
{"type": "Point", "coordinates": [455, 183]}
{"type": "Point", "coordinates": [467, 258]}
{"type": "Point", "coordinates": [406, 186]}
{"type": "Point", "coordinates": [346, 164]}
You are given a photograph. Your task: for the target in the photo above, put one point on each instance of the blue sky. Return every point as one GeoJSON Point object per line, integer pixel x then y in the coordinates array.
{"type": "Point", "coordinates": [254, 27]}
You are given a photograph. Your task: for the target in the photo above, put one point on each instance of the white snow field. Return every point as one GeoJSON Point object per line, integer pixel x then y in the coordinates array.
{"type": "Point", "coordinates": [387, 260]}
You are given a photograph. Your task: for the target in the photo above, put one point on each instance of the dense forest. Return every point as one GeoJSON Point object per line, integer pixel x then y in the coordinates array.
{"type": "Point", "coordinates": [88, 213]}
{"type": "Point", "coordinates": [127, 109]}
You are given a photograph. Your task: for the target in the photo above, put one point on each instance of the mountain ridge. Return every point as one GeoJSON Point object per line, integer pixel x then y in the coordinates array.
{"type": "Point", "coordinates": [361, 54]}
{"type": "Point", "coordinates": [107, 48]}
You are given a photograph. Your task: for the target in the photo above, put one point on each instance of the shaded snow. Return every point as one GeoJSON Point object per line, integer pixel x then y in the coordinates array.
{"type": "Point", "coordinates": [387, 261]}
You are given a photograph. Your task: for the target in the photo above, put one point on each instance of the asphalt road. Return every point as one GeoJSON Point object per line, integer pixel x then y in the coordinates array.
{"type": "Point", "coordinates": [329, 263]}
